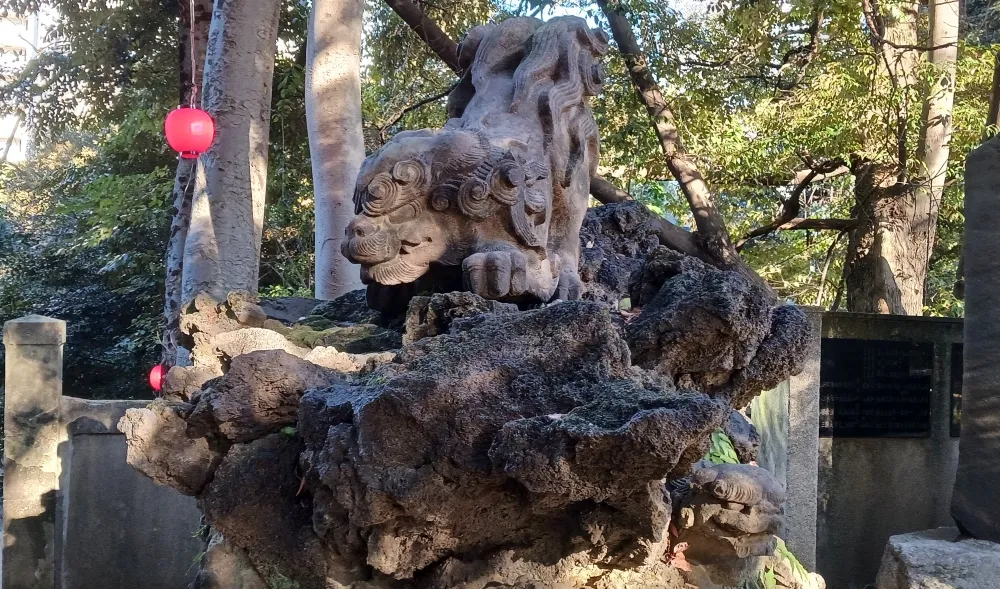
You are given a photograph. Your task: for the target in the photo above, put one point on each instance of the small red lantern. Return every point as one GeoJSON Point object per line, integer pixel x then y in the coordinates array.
{"type": "Point", "coordinates": [189, 130]}
{"type": "Point", "coordinates": [156, 377]}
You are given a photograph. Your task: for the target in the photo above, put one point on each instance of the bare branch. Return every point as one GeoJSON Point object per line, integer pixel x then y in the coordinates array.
{"type": "Point", "coordinates": [606, 192]}
{"type": "Point", "coordinates": [993, 118]}
{"type": "Point", "coordinates": [819, 224]}
{"type": "Point", "coordinates": [792, 206]}
{"type": "Point", "coordinates": [826, 267]}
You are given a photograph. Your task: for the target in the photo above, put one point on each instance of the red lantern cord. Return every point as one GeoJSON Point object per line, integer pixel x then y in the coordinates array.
{"type": "Point", "coordinates": [194, 62]}
{"type": "Point", "coordinates": [156, 377]}
{"type": "Point", "coordinates": [189, 129]}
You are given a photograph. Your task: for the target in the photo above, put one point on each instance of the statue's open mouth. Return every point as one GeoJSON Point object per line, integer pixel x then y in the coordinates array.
{"type": "Point", "coordinates": [399, 269]}
{"type": "Point", "coordinates": [408, 246]}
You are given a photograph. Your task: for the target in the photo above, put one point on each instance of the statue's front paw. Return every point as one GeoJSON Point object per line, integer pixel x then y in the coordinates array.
{"type": "Point", "coordinates": [493, 275]}
{"type": "Point", "coordinates": [570, 286]}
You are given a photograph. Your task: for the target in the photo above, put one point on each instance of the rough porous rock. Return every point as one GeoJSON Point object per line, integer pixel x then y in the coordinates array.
{"type": "Point", "coordinates": [259, 395]}
{"type": "Point", "coordinates": [225, 566]}
{"type": "Point", "coordinates": [712, 329]}
{"type": "Point", "coordinates": [288, 310]}
{"type": "Point", "coordinates": [433, 315]}
{"type": "Point", "coordinates": [529, 423]}
{"type": "Point", "coordinates": [182, 382]}
{"type": "Point", "coordinates": [243, 341]}
{"type": "Point", "coordinates": [362, 338]}
{"type": "Point", "coordinates": [330, 357]}
{"type": "Point", "coordinates": [254, 502]}
{"type": "Point", "coordinates": [206, 315]}
{"type": "Point", "coordinates": [158, 447]}
{"type": "Point", "coordinates": [939, 559]}
{"type": "Point", "coordinates": [744, 436]}
{"type": "Point", "coordinates": [351, 307]}
{"type": "Point", "coordinates": [614, 242]}
{"type": "Point", "coordinates": [519, 448]}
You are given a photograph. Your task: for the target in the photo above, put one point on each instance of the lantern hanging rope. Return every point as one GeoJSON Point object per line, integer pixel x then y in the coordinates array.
{"type": "Point", "coordinates": [189, 129]}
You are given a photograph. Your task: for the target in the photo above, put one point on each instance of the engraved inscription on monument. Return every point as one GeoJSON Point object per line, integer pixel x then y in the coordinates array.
{"type": "Point", "coordinates": [875, 388]}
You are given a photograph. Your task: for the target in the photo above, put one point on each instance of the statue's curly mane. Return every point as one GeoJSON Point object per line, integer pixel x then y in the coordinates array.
{"type": "Point", "coordinates": [556, 77]}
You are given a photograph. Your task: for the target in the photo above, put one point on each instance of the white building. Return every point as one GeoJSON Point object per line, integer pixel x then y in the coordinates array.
{"type": "Point", "coordinates": [19, 42]}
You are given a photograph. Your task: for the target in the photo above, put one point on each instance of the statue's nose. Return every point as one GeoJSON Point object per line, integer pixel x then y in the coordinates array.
{"type": "Point", "coordinates": [360, 227]}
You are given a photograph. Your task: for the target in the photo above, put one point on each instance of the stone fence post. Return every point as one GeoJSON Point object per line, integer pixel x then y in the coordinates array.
{"type": "Point", "coordinates": [787, 419]}
{"type": "Point", "coordinates": [33, 383]}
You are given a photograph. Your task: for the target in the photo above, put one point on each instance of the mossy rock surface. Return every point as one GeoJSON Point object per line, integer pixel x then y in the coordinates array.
{"type": "Point", "coordinates": [352, 339]}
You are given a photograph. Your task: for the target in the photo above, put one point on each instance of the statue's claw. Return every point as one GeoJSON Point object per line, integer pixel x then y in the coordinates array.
{"type": "Point", "coordinates": [570, 287]}
{"type": "Point", "coordinates": [493, 275]}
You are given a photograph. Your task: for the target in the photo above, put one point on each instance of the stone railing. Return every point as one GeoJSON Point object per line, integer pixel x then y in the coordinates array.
{"type": "Point", "coordinates": [75, 515]}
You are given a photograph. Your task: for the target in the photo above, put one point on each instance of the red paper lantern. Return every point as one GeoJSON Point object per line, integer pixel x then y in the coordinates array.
{"type": "Point", "coordinates": [156, 377]}
{"type": "Point", "coordinates": [189, 130]}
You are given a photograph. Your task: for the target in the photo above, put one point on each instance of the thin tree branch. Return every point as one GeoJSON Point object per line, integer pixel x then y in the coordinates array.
{"type": "Point", "coordinates": [819, 224]}
{"type": "Point", "coordinates": [428, 30]}
{"type": "Point", "coordinates": [993, 118]}
{"type": "Point", "coordinates": [826, 267]}
{"type": "Point", "coordinates": [402, 113]}
{"type": "Point", "coordinates": [792, 206]}
{"type": "Point", "coordinates": [10, 140]}
{"type": "Point", "coordinates": [606, 192]}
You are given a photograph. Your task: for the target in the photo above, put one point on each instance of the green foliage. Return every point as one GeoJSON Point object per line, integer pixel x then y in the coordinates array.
{"type": "Point", "coordinates": [722, 450]}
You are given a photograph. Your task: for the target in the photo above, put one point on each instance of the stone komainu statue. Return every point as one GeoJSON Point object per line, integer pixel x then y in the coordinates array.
{"type": "Point", "coordinates": [501, 190]}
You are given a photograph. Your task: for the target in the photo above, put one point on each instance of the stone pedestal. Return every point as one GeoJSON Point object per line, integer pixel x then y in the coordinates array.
{"type": "Point", "coordinates": [974, 501]}
{"type": "Point", "coordinates": [34, 347]}
{"type": "Point", "coordinates": [937, 558]}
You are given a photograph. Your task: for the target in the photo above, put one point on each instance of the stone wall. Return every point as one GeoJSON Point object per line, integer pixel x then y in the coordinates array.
{"type": "Point", "coordinates": [76, 515]}
{"type": "Point", "coordinates": [874, 488]}
{"type": "Point", "coordinates": [867, 488]}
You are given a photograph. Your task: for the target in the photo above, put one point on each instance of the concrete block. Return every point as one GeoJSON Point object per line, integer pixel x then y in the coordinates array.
{"type": "Point", "coordinates": [939, 559]}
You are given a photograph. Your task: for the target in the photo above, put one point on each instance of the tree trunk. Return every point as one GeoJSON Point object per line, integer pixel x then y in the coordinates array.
{"type": "Point", "coordinates": [713, 235]}
{"type": "Point", "coordinates": [428, 31]}
{"type": "Point", "coordinates": [336, 139]}
{"type": "Point", "coordinates": [936, 133]}
{"type": "Point", "coordinates": [192, 37]}
{"type": "Point", "coordinates": [884, 271]}
{"type": "Point", "coordinates": [222, 252]}
{"type": "Point", "coordinates": [881, 273]}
